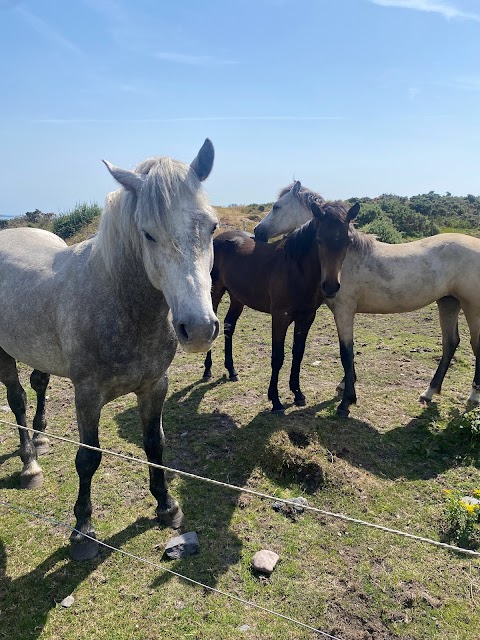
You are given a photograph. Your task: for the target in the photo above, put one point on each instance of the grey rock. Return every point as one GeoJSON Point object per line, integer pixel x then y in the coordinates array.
{"type": "Point", "coordinates": [182, 546]}
{"type": "Point", "coordinates": [244, 627]}
{"type": "Point", "coordinates": [264, 561]}
{"type": "Point", "coordinates": [67, 602]}
{"type": "Point", "coordinates": [288, 509]}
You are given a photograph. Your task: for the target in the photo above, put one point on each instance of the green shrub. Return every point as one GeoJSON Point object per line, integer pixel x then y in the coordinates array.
{"type": "Point", "coordinates": [68, 224]}
{"type": "Point", "coordinates": [383, 228]}
{"type": "Point", "coordinates": [463, 518]}
{"type": "Point", "coordinates": [471, 423]}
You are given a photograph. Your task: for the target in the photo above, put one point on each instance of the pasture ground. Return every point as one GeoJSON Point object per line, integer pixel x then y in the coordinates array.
{"type": "Point", "coordinates": [389, 463]}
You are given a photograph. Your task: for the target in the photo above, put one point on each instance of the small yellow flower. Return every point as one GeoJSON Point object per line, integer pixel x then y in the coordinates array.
{"type": "Point", "coordinates": [469, 508]}
{"type": "Point", "coordinates": [449, 491]}
{"type": "Point", "coordinates": [476, 493]}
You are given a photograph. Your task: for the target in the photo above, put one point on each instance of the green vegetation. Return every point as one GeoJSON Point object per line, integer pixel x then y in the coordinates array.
{"type": "Point", "coordinates": [68, 224]}
{"type": "Point", "coordinates": [418, 216]}
{"type": "Point", "coordinates": [392, 218]}
{"type": "Point", "coordinates": [389, 463]}
{"type": "Point", "coordinates": [463, 519]}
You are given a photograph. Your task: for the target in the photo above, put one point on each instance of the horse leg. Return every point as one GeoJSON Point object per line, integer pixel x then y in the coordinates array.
{"type": "Point", "coordinates": [88, 406]}
{"type": "Point", "coordinates": [473, 319]}
{"type": "Point", "coordinates": [448, 309]}
{"type": "Point", "coordinates": [300, 333]}
{"type": "Point", "coordinates": [229, 324]}
{"type": "Point", "coordinates": [150, 405]}
{"type": "Point", "coordinates": [218, 289]}
{"type": "Point", "coordinates": [39, 383]}
{"type": "Point", "coordinates": [344, 322]}
{"type": "Point", "coordinates": [280, 324]}
{"type": "Point", "coordinates": [31, 476]}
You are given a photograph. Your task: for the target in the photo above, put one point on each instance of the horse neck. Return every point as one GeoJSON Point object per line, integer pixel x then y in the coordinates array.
{"type": "Point", "coordinates": [302, 246]}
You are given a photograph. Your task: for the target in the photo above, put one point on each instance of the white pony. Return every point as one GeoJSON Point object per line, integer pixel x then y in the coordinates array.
{"type": "Point", "coordinates": [107, 314]}
{"type": "Point", "coordinates": [395, 278]}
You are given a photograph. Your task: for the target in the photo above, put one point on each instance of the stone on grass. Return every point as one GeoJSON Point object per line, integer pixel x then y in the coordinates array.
{"type": "Point", "coordinates": [244, 627]}
{"type": "Point", "coordinates": [289, 509]}
{"type": "Point", "coordinates": [264, 561]}
{"type": "Point", "coordinates": [67, 602]}
{"type": "Point", "coordinates": [182, 546]}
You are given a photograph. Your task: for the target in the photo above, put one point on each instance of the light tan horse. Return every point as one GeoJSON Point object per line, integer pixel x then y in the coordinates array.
{"type": "Point", "coordinates": [395, 278]}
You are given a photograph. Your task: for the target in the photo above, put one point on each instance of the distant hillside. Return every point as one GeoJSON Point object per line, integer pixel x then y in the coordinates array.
{"type": "Point", "coordinates": [392, 218]}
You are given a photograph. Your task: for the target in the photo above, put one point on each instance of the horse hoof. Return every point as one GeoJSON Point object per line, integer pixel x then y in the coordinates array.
{"type": "Point", "coordinates": [233, 378]}
{"type": "Point", "coordinates": [278, 412]}
{"type": "Point", "coordinates": [424, 400]}
{"type": "Point", "coordinates": [171, 518]}
{"type": "Point", "coordinates": [343, 413]}
{"type": "Point", "coordinates": [30, 481]}
{"type": "Point", "coordinates": [206, 378]}
{"type": "Point", "coordinates": [85, 550]}
{"type": "Point", "coordinates": [300, 402]}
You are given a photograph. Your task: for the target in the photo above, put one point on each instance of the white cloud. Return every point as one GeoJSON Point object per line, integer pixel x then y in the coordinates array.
{"type": "Point", "coordinates": [446, 9]}
{"type": "Point", "coordinates": [185, 119]}
{"type": "Point", "coordinates": [182, 58]}
{"type": "Point", "coordinates": [47, 31]}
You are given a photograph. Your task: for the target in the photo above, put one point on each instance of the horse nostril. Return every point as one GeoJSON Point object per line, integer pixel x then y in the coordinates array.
{"type": "Point", "coordinates": [182, 330]}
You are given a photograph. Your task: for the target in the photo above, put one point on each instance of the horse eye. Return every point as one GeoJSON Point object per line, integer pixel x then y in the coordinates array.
{"type": "Point", "coordinates": [214, 228]}
{"type": "Point", "coordinates": [148, 236]}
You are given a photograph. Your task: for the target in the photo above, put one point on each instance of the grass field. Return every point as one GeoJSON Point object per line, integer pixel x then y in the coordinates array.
{"type": "Point", "coordinates": [389, 463]}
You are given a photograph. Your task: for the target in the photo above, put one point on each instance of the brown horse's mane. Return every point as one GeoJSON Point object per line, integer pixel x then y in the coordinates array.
{"type": "Point", "coordinates": [361, 242]}
{"type": "Point", "coordinates": [299, 240]}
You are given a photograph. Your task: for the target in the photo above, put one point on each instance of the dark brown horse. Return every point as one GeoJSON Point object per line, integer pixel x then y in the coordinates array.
{"type": "Point", "coordinates": [288, 279]}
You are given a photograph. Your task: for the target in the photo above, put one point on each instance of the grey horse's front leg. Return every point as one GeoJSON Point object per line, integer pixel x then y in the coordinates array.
{"type": "Point", "coordinates": [39, 383]}
{"type": "Point", "coordinates": [88, 405]}
{"type": "Point", "coordinates": [150, 406]}
{"type": "Point", "coordinates": [31, 476]}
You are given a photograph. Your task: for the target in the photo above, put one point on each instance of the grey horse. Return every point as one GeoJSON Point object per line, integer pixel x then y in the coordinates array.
{"type": "Point", "coordinates": [108, 312]}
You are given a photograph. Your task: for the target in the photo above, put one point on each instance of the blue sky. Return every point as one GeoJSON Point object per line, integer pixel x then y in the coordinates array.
{"type": "Point", "coordinates": [352, 97]}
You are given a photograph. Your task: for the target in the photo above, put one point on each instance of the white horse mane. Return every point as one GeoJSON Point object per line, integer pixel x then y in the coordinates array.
{"type": "Point", "coordinates": [168, 183]}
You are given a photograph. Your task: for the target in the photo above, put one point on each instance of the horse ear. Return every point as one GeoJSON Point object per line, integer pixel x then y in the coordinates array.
{"type": "Point", "coordinates": [315, 209]}
{"type": "Point", "coordinates": [296, 188]}
{"type": "Point", "coordinates": [353, 211]}
{"type": "Point", "coordinates": [203, 163]}
{"type": "Point", "coordinates": [129, 179]}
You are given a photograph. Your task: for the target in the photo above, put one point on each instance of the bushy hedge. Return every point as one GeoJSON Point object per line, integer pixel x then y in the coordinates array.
{"type": "Point", "coordinates": [69, 223]}
{"type": "Point", "coordinates": [418, 216]}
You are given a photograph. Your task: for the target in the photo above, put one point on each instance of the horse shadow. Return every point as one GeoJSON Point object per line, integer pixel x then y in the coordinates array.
{"type": "Point", "coordinates": [213, 445]}
{"type": "Point", "coordinates": [51, 581]}
{"type": "Point", "coordinates": [417, 450]}
{"type": "Point", "coordinates": [210, 445]}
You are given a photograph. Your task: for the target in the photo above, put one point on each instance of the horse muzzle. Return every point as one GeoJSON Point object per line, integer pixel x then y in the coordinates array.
{"type": "Point", "coordinates": [260, 235]}
{"type": "Point", "coordinates": [330, 290]}
{"type": "Point", "coordinates": [197, 335]}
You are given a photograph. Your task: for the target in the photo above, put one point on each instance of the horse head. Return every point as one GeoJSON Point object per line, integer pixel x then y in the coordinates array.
{"type": "Point", "coordinates": [334, 233]}
{"type": "Point", "coordinates": [288, 213]}
{"type": "Point", "coordinates": [171, 224]}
